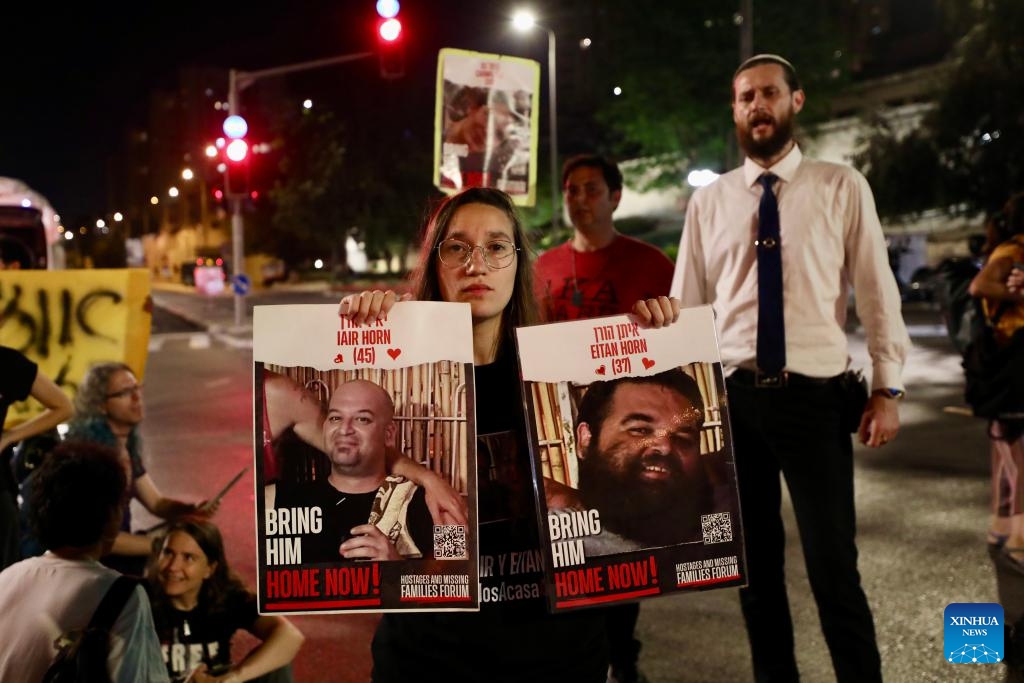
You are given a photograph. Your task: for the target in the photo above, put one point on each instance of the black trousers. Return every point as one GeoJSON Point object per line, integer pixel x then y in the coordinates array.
{"type": "Point", "coordinates": [797, 430]}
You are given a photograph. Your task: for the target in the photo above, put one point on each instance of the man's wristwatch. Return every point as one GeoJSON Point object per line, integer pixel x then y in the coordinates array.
{"type": "Point", "coordinates": [889, 392]}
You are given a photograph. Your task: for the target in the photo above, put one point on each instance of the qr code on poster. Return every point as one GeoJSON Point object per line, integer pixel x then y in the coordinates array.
{"type": "Point", "coordinates": [717, 527]}
{"type": "Point", "coordinates": [450, 542]}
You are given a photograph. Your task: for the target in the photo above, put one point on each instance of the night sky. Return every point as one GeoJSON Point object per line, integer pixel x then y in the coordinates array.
{"type": "Point", "coordinates": [77, 78]}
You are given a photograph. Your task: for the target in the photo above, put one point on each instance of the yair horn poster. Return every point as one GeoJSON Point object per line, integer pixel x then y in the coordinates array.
{"type": "Point", "coordinates": [365, 459]}
{"type": "Point", "coordinates": [632, 459]}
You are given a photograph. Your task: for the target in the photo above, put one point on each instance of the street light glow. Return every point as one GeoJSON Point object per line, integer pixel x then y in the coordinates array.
{"type": "Point", "coordinates": [118, 216]}
{"type": "Point", "coordinates": [523, 20]}
{"type": "Point", "coordinates": [616, 91]}
{"type": "Point", "coordinates": [307, 104]}
{"type": "Point", "coordinates": [172, 192]}
{"type": "Point", "coordinates": [318, 264]}
{"type": "Point", "coordinates": [701, 177]}
{"type": "Point", "coordinates": [211, 151]}
{"type": "Point", "coordinates": [585, 43]}
{"type": "Point", "coordinates": [68, 235]}
{"type": "Point", "coordinates": [154, 200]}
{"type": "Point", "coordinates": [100, 223]}
{"type": "Point", "coordinates": [186, 174]}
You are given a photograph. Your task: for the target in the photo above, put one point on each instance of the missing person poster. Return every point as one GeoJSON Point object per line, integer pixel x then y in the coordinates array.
{"type": "Point", "coordinates": [632, 459]}
{"type": "Point", "coordinates": [365, 460]}
{"type": "Point", "coordinates": [485, 131]}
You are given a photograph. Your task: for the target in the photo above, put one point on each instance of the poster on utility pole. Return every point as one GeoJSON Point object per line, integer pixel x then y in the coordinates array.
{"type": "Point", "coordinates": [365, 460]}
{"type": "Point", "coordinates": [485, 123]}
{"type": "Point", "coordinates": [632, 459]}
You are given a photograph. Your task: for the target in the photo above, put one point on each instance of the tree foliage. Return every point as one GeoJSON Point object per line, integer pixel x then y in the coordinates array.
{"type": "Point", "coordinates": [967, 155]}
{"type": "Point", "coordinates": [674, 63]}
{"type": "Point", "coordinates": [334, 182]}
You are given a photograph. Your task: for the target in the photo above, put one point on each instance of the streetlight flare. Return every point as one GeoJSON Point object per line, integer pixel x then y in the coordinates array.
{"type": "Point", "coordinates": [118, 216]}
{"type": "Point", "coordinates": [211, 151]}
{"type": "Point", "coordinates": [187, 174]}
{"type": "Point", "coordinates": [523, 20]}
{"type": "Point", "coordinates": [154, 200]}
{"type": "Point", "coordinates": [100, 223]}
{"type": "Point", "coordinates": [701, 177]}
{"type": "Point", "coordinates": [172, 192]}
{"type": "Point", "coordinates": [307, 104]}
{"type": "Point", "coordinates": [616, 91]}
{"type": "Point", "coordinates": [585, 43]}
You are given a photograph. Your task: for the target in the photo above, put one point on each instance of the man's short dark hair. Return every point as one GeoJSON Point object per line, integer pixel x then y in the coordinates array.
{"type": "Point", "coordinates": [609, 169]}
{"type": "Point", "coordinates": [788, 70]}
{"type": "Point", "coordinates": [74, 493]}
{"type": "Point", "coordinates": [595, 403]}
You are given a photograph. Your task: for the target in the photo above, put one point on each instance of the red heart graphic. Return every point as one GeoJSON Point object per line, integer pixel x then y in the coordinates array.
{"type": "Point", "coordinates": [339, 359]}
{"type": "Point", "coordinates": [394, 353]}
{"type": "Point", "coordinates": [648, 363]}
{"type": "Point", "coordinates": [600, 370]}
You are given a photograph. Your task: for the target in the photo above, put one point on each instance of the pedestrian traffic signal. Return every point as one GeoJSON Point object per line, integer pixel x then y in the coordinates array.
{"type": "Point", "coordinates": [390, 45]}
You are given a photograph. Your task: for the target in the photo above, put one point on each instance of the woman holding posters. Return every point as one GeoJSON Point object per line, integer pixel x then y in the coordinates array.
{"type": "Point", "coordinates": [476, 252]}
{"type": "Point", "coordinates": [199, 604]}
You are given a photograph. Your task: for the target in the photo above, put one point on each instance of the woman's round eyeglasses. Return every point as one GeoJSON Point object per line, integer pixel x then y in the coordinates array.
{"type": "Point", "coordinates": [496, 253]}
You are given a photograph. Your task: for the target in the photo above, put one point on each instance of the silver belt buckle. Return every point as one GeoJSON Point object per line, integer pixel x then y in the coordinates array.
{"type": "Point", "coordinates": [775, 380]}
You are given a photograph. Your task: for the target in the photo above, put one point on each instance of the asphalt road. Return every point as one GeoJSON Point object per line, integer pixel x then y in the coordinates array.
{"type": "Point", "coordinates": [922, 513]}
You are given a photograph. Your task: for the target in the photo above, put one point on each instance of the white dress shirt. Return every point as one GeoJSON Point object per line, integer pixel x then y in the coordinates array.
{"type": "Point", "coordinates": [831, 239]}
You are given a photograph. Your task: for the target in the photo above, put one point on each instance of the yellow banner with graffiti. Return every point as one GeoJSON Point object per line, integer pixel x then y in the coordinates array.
{"type": "Point", "coordinates": [67, 320]}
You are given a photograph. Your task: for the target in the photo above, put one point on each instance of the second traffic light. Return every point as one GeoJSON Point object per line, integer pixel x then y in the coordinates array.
{"type": "Point", "coordinates": [390, 45]}
{"type": "Point", "coordinates": [236, 156]}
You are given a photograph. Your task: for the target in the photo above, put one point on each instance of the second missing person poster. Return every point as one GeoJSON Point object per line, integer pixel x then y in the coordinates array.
{"type": "Point", "coordinates": [632, 459]}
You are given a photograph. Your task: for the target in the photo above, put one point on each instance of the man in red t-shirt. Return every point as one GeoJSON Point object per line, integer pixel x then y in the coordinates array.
{"type": "Point", "coordinates": [599, 271]}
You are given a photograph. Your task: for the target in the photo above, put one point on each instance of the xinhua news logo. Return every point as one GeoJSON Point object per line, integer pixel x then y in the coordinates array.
{"type": "Point", "coordinates": [973, 633]}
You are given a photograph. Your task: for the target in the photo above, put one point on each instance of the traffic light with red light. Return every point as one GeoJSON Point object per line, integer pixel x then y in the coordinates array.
{"type": "Point", "coordinates": [236, 156]}
{"type": "Point", "coordinates": [390, 45]}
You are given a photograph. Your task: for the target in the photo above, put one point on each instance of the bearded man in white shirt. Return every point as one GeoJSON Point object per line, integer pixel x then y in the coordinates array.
{"type": "Point", "coordinates": [786, 360]}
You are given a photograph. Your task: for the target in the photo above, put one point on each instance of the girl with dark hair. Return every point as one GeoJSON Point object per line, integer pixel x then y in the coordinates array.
{"type": "Point", "coordinates": [476, 252]}
{"type": "Point", "coordinates": [998, 287]}
{"type": "Point", "coordinates": [199, 604]}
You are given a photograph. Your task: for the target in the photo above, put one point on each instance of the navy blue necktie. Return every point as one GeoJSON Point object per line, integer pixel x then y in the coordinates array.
{"type": "Point", "coordinates": [771, 331]}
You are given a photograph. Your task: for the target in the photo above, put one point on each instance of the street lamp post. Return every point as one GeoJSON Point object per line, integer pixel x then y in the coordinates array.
{"type": "Point", "coordinates": [524, 21]}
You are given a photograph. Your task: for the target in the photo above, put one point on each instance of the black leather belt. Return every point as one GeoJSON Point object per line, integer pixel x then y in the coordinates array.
{"type": "Point", "coordinates": [756, 378]}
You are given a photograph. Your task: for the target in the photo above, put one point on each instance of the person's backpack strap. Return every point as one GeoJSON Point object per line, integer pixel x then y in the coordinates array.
{"type": "Point", "coordinates": [85, 659]}
{"type": "Point", "coordinates": [113, 603]}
